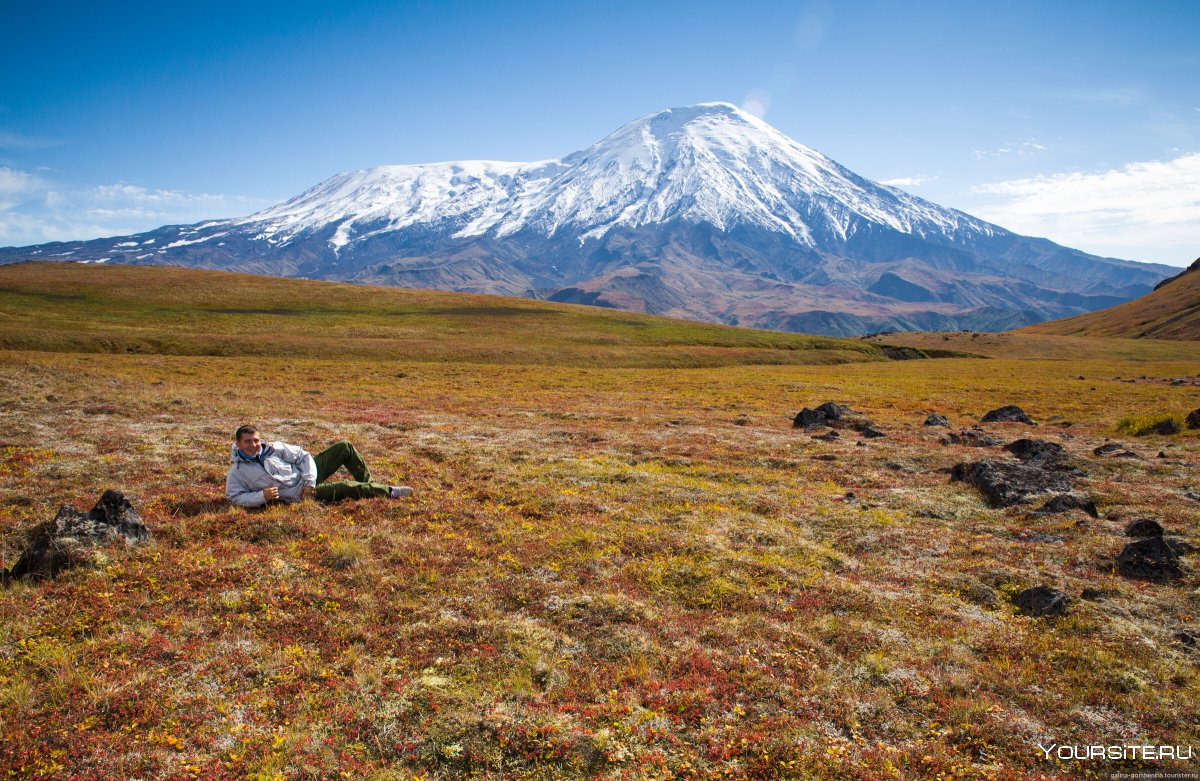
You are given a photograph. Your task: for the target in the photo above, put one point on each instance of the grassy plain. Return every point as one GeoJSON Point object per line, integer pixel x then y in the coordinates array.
{"type": "Point", "coordinates": [620, 561]}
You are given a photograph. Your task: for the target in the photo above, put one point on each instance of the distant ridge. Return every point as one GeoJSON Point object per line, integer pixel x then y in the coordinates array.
{"type": "Point", "coordinates": [702, 212]}
{"type": "Point", "coordinates": [1171, 311]}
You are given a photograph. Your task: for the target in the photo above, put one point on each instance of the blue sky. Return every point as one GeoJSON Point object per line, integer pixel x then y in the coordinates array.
{"type": "Point", "coordinates": [1079, 121]}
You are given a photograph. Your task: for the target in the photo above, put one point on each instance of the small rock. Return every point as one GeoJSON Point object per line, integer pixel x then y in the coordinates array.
{"type": "Point", "coordinates": [1093, 594]}
{"type": "Point", "coordinates": [850, 497]}
{"type": "Point", "coordinates": [1114, 450]}
{"type": "Point", "coordinates": [825, 457]}
{"type": "Point", "coordinates": [1167, 428]}
{"type": "Point", "coordinates": [870, 432]}
{"type": "Point", "coordinates": [1145, 527]}
{"type": "Point", "coordinates": [1161, 454]}
{"type": "Point", "coordinates": [1192, 420]}
{"type": "Point", "coordinates": [1195, 497]}
{"type": "Point", "coordinates": [935, 419]}
{"type": "Point", "coordinates": [1065, 502]}
{"type": "Point", "coordinates": [741, 420]}
{"type": "Point", "coordinates": [828, 436]}
{"type": "Point", "coordinates": [1042, 601]}
{"type": "Point", "coordinates": [1187, 638]}
{"type": "Point", "coordinates": [1009, 413]}
{"type": "Point", "coordinates": [1149, 559]}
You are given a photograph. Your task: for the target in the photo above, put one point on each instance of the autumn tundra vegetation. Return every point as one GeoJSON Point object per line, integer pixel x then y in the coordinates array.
{"type": "Point", "coordinates": [623, 558]}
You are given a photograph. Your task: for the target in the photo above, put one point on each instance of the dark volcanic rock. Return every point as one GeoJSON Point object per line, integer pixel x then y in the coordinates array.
{"type": "Point", "coordinates": [1193, 419]}
{"type": "Point", "coordinates": [1149, 559]}
{"type": "Point", "coordinates": [1007, 484]}
{"type": "Point", "coordinates": [1035, 451]}
{"type": "Point", "coordinates": [1065, 502]}
{"type": "Point", "coordinates": [1093, 594]}
{"type": "Point", "coordinates": [823, 415]}
{"type": "Point", "coordinates": [1042, 601]}
{"type": "Point", "coordinates": [1145, 527]}
{"type": "Point", "coordinates": [870, 432]}
{"type": "Point", "coordinates": [935, 419]}
{"type": "Point", "coordinates": [73, 537]}
{"type": "Point", "coordinates": [828, 436]}
{"type": "Point", "coordinates": [1167, 428]}
{"type": "Point", "coordinates": [1007, 414]}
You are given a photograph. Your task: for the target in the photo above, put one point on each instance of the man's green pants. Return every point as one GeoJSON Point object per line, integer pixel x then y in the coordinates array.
{"type": "Point", "coordinates": [341, 454]}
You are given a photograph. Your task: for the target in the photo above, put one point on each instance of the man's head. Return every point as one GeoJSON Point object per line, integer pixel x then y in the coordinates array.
{"type": "Point", "coordinates": [247, 439]}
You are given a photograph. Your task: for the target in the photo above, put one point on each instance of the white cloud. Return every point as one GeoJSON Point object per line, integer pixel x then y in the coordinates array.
{"type": "Point", "coordinates": [1148, 208]}
{"type": "Point", "coordinates": [1018, 149]}
{"type": "Point", "coordinates": [34, 210]}
{"type": "Point", "coordinates": [908, 181]}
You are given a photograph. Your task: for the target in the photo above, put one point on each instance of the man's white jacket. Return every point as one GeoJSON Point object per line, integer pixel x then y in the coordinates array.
{"type": "Point", "coordinates": [286, 467]}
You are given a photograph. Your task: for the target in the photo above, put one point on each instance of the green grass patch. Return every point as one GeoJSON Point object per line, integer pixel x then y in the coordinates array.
{"type": "Point", "coordinates": [1152, 423]}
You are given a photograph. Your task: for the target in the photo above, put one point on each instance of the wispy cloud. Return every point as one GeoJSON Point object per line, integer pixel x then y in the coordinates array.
{"type": "Point", "coordinates": [1016, 148]}
{"type": "Point", "coordinates": [1153, 205]}
{"type": "Point", "coordinates": [34, 209]}
{"type": "Point", "coordinates": [908, 181]}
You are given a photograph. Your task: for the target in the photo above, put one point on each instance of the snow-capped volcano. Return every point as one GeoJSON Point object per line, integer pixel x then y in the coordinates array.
{"type": "Point", "coordinates": [710, 163]}
{"type": "Point", "coordinates": [703, 211]}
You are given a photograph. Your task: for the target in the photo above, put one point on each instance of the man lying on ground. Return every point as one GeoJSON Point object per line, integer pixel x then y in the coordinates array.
{"type": "Point", "coordinates": [262, 472]}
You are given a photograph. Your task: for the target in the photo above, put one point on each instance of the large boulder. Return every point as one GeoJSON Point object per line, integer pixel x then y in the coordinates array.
{"type": "Point", "coordinates": [1005, 484]}
{"type": "Point", "coordinates": [1193, 419]}
{"type": "Point", "coordinates": [74, 537]}
{"type": "Point", "coordinates": [1150, 559]}
{"type": "Point", "coordinates": [1010, 413]}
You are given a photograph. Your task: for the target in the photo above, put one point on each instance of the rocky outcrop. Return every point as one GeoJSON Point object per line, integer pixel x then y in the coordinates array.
{"type": "Point", "coordinates": [1006, 484]}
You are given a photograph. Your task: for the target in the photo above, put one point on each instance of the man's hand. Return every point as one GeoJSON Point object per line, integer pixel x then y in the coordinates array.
{"type": "Point", "coordinates": [307, 491]}
{"type": "Point", "coordinates": [271, 494]}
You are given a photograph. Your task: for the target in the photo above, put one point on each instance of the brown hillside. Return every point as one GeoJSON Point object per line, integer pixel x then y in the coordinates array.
{"type": "Point", "coordinates": [1171, 311]}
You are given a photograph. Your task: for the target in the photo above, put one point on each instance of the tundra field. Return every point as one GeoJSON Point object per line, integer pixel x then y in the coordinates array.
{"type": "Point", "coordinates": [621, 560]}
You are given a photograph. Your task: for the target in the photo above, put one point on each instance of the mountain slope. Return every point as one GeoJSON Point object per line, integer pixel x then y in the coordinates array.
{"type": "Point", "coordinates": [702, 212]}
{"type": "Point", "coordinates": [1171, 311]}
